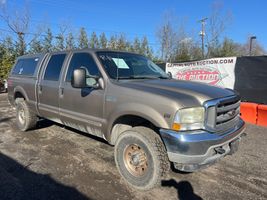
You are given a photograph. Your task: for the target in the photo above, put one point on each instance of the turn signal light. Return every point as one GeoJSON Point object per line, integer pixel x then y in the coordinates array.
{"type": "Point", "coordinates": [176, 126]}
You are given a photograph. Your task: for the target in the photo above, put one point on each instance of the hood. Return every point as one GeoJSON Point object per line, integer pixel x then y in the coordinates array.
{"type": "Point", "coordinates": [178, 89]}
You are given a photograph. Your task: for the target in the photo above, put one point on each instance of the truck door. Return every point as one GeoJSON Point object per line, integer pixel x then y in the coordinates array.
{"type": "Point", "coordinates": [48, 87]}
{"type": "Point", "coordinates": [81, 108]}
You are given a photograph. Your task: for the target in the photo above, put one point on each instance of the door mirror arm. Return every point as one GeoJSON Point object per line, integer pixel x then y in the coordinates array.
{"type": "Point", "coordinates": [93, 76]}
{"type": "Point", "coordinates": [169, 75]}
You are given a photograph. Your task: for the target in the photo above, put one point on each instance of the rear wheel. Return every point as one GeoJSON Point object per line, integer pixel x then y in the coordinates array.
{"type": "Point", "coordinates": [25, 118]}
{"type": "Point", "coordinates": [141, 158]}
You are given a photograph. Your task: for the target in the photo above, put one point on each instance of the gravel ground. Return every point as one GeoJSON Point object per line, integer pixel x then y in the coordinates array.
{"type": "Point", "coordinates": [54, 162]}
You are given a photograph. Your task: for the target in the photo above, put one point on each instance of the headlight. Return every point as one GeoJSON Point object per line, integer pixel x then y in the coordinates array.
{"type": "Point", "coordinates": [189, 119]}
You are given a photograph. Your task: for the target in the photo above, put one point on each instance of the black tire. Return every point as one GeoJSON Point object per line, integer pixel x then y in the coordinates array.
{"type": "Point", "coordinates": [25, 118]}
{"type": "Point", "coordinates": [157, 163]}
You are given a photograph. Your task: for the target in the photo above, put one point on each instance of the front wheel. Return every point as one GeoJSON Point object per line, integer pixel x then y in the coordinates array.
{"type": "Point", "coordinates": [141, 158]}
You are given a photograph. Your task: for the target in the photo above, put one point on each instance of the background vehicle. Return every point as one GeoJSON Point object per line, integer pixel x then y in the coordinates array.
{"type": "Point", "coordinates": [126, 99]}
{"type": "Point", "coordinates": [3, 85]}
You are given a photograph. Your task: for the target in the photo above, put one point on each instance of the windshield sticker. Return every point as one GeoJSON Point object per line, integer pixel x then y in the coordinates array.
{"type": "Point", "coordinates": [20, 70]}
{"type": "Point", "coordinates": [121, 64]}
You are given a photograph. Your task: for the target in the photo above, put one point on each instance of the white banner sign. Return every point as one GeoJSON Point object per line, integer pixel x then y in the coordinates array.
{"type": "Point", "coordinates": [214, 71]}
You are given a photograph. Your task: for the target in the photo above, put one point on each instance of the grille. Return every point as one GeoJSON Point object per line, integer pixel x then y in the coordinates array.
{"type": "Point", "coordinates": [222, 114]}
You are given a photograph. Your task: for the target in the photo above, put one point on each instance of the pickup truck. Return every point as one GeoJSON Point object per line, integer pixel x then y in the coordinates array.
{"type": "Point", "coordinates": [153, 121]}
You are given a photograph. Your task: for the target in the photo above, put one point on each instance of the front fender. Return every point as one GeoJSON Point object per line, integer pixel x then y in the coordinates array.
{"type": "Point", "coordinates": [139, 110]}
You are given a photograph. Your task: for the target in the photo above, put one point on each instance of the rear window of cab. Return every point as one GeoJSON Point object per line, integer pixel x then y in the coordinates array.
{"type": "Point", "coordinates": [25, 66]}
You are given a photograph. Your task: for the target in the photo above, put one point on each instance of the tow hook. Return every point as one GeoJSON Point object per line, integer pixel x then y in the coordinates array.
{"type": "Point", "coordinates": [219, 150]}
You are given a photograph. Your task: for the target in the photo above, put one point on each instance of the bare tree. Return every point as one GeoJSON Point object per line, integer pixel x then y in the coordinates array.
{"type": "Point", "coordinates": [61, 36]}
{"type": "Point", "coordinates": [184, 44]}
{"type": "Point", "coordinates": [216, 26]}
{"type": "Point", "coordinates": [256, 49]}
{"type": "Point", "coordinates": [18, 23]}
{"type": "Point", "coordinates": [167, 37]}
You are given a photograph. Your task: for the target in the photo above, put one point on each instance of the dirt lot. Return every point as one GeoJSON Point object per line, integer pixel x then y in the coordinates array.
{"type": "Point", "coordinates": [53, 162]}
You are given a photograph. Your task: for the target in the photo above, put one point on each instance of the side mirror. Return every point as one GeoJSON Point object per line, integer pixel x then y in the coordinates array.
{"type": "Point", "coordinates": [78, 79]}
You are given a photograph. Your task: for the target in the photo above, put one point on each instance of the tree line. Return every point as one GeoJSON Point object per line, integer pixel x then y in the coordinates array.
{"type": "Point", "coordinates": [61, 42]}
{"type": "Point", "coordinates": [176, 42]}
{"type": "Point", "coordinates": [10, 48]}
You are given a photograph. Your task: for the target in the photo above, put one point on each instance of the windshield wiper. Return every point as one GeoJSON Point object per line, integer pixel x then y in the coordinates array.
{"type": "Point", "coordinates": [137, 77]}
{"type": "Point", "coordinates": [143, 77]}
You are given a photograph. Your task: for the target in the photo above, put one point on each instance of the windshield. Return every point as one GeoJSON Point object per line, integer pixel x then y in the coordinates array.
{"type": "Point", "coordinates": [129, 66]}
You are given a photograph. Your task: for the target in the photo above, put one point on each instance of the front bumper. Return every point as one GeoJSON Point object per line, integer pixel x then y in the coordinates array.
{"type": "Point", "coordinates": [193, 150]}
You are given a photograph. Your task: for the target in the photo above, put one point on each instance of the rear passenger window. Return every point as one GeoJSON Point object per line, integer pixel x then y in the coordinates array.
{"type": "Point", "coordinates": [25, 66]}
{"type": "Point", "coordinates": [54, 66]}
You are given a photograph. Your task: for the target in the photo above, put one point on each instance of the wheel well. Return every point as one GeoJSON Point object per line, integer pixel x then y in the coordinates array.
{"type": "Point", "coordinates": [126, 122]}
{"type": "Point", "coordinates": [18, 95]}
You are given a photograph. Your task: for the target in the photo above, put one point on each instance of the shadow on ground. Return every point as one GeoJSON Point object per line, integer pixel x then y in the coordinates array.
{"type": "Point", "coordinates": [6, 119]}
{"type": "Point", "coordinates": [43, 123]}
{"type": "Point", "coordinates": [18, 182]}
{"type": "Point", "coordinates": [184, 189]}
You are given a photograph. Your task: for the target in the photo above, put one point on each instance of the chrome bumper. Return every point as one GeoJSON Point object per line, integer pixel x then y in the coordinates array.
{"type": "Point", "coordinates": [193, 150]}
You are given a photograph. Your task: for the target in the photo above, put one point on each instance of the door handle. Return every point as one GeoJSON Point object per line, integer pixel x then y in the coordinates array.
{"type": "Point", "coordinates": [61, 91]}
{"type": "Point", "coordinates": [40, 88]}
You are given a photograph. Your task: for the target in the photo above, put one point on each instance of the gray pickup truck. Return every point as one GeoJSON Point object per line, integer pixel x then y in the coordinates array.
{"type": "Point", "coordinates": [151, 119]}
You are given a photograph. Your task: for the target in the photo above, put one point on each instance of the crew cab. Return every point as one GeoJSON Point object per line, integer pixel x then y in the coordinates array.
{"type": "Point", "coordinates": [150, 118]}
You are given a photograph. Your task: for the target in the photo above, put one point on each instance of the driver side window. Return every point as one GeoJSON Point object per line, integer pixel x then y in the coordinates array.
{"type": "Point", "coordinates": [86, 61]}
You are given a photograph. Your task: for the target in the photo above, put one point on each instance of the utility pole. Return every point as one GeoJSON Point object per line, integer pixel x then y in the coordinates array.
{"type": "Point", "coordinates": [202, 34]}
